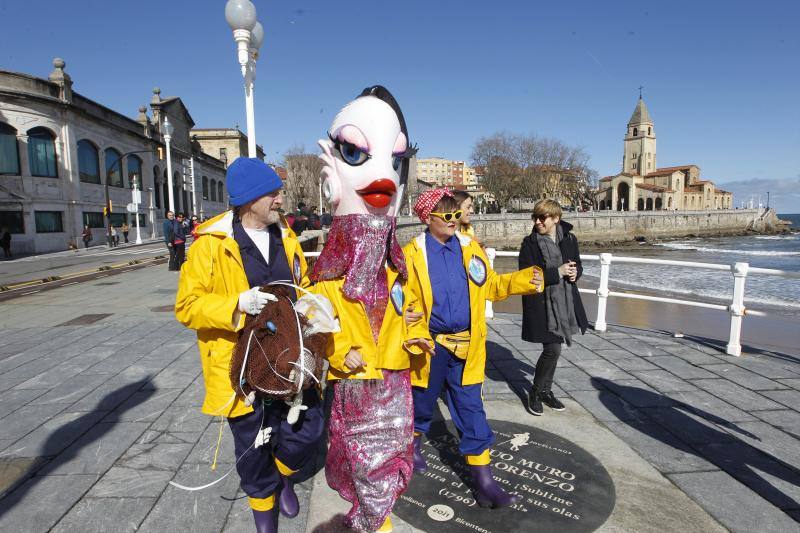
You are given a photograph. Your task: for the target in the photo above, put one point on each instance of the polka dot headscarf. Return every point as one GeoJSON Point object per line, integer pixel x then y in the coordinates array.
{"type": "Point", "coordinates": [428, 200]}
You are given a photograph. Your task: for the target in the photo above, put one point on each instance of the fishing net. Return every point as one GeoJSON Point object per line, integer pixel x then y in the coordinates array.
{"type": "Point", "coordinates": [269, 358]}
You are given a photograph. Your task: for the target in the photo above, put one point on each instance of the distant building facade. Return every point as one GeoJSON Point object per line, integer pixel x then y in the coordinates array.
{"type": "Point", "coordinates": [443, 171]}
{"type": "Point", "coordinates": [642, 186]}
{"type": "Point", "coordinates": [226, 144]}
{"type": "Point", "coordinates": [58, 150]}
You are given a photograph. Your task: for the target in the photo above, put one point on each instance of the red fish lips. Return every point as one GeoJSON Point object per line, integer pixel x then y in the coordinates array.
{"type": "Point", "coordinates": [378, 193]}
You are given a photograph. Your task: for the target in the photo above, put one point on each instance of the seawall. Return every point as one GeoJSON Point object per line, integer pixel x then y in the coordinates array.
{"type": "Point", "coordinates": [508, 230]}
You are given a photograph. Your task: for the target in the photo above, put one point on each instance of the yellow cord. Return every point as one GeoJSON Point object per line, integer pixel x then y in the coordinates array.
{"type": "Point", "coordinates": [219, 441]}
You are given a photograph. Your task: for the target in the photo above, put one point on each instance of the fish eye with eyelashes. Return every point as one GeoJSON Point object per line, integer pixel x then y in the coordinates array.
{"type": "Point", "coordinates": [397, 159]}
{"type": "Point", "coordinates": [351, 154]}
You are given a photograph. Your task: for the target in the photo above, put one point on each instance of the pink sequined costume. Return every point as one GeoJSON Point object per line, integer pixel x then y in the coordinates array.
{"type": "Point", "coordinates": [371, 424]}
{"type": "Point", "coordinates": [362, 272]}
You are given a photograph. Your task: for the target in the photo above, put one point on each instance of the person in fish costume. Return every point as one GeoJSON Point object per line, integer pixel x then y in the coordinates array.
{"type": "Point", "coordinates": [451, 278]}
{"type": "Point", "coordinates": [363, 273]}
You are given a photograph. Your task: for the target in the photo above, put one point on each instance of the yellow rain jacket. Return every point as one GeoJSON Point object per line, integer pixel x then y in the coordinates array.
{"type": "Point", "coordinates": [207, 301]}
{"type": "Point", "coordinates": [484, 284]}
{"type": "Point", "coordinates": [390, 352]}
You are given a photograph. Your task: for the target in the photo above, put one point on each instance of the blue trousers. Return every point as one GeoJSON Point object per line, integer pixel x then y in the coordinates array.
{"type": "Point", "coordinates": [464, 402]}
{"type": "Point", "coordinates": [294, 445]}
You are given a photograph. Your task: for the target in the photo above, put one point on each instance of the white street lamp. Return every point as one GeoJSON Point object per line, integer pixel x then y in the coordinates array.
{"type": "Point", "coordinates": [168, 130]}
{"type": "Point", "coordinates": [137, 199]}
{"type": "Point", "coordinates": [249, 35]}
{"type": "Point", "coordinates": [194, 185]}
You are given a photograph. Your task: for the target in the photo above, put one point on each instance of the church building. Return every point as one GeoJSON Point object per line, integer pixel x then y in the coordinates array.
{"type": "Point", "coordinates": [642, 186]}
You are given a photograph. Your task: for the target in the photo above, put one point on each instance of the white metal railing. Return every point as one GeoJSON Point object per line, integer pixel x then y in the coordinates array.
{"type": "Point", "coordinates": [736, 308]}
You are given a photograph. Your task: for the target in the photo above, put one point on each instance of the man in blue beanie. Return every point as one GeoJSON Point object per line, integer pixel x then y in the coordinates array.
{"type": "Point", "coordinates": [234, 254]}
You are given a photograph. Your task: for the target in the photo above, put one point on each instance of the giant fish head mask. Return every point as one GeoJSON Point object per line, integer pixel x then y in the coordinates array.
{"type": "Point", "coordinates": [366, 157]}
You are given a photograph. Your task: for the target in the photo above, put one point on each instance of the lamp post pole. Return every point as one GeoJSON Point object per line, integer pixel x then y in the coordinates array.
{"type": "Point", "coordinates": [108, 196]}
{"type": "Point", "coordinates": [168, 129]}
{"type": "Point", "coordinates": [248, 34]}
{"type": "Point", "coordinates": [194, 186]}
{"type": "Point", "coordinates": [137, 199]}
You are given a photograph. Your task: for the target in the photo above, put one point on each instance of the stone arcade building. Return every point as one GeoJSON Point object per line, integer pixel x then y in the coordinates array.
{"type": "Point", "coordinates": [641, 186]}
{"type": "Point", "coordinates": [58, 149]}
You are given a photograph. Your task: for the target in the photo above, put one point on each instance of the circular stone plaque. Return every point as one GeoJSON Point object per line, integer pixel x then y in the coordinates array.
{"type": "Point", "coordinates": [563, 487]}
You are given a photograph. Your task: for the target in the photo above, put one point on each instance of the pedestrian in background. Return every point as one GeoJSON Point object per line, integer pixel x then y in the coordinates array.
{"type": "Point", "coordinates": [169, 235]}
{"type": "Point", "coordinates": [554, 316]}
{"type": "Point", "coordinates": [125, 230]}
{"type": "Point", "coordinates": [86, 236]}
{"type": "Point", "coordinates": [300, 222]}
{"type": "Point", "coordinates": [179, 241]}
{"type": "Point", "coordinates": [5, 243]}
{"type": "Point", "coordinates": [114, 237]}
{"type": "Point", "coordinates": [326, 218]}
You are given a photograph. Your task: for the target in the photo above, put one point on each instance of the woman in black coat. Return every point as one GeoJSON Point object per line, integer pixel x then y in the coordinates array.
{"type": "Point", "coordinates": [553, 316]}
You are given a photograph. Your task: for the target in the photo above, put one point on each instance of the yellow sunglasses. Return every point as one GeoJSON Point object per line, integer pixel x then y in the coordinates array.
{"type": "Point", "coordinates": [447, 217]}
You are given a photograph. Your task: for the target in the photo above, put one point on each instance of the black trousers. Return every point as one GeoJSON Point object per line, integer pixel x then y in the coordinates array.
{"type": "Point", "coordinates": [173, 265]}
{"type": "Point", "coordinates": [546, 366]}
{"type": "Point", "coordinates": [180, 254]}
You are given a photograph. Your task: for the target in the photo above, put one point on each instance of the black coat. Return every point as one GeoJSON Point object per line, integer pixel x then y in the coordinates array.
{"type": "Point", "coordinates": [534, 314]}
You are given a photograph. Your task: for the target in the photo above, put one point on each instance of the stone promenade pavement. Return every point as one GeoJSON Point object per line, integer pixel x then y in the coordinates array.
{"type": "Point", "coordinates": [100, 388]}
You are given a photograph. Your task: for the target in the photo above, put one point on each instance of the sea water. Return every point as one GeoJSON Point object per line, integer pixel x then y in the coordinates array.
{"type": "Point", "coordinates": [773, 293]}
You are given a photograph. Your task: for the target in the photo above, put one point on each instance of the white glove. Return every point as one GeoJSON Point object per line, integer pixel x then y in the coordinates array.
{"type": "Point", "coordinates": [253, 301]}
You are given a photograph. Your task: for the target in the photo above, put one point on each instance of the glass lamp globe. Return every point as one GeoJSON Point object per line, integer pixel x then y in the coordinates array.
{"type": "Point", "coordinates": [240, 14]}
{"type": "Point", "coordinates": [168, 127]}
{"type": "Point", "coordinates": [257, 36]}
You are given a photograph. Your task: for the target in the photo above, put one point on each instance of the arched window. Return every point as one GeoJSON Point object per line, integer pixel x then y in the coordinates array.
{"type": "Point", "coordinates": [42, 153]}
{"type": "Point", "coordinates": [88, 162]}
{"type": "Point", "coordinates": [165, 194]}
{"type": "Point", "coordinates": [669, 202]}
{"type": "Point", "coordinates": [213, 197]}
{"type": "Point", "coordinates": [9, 150]}
{"type": "Point", "coordinates": [640, 204]}
{"type": "Point", "coordinates": [649, 130]}
{"type": "Point", "coordinates": [205, 187]}
{"type": "Point", "coordinates": [113, 168]}
{"type": "Point", "coordinates": [134, 171]}
{"type": "Point", "coordinates": [220, 194]}
{"type": "Point", "coordinates": [176, 192]}
{"type": "Point", "coordinates": [635, 132]}
{"type": "Point", "coordinates": [659, 203]}
{"type": "Point", "coordinates": [156, 191]}
{"type": "Point", "coordinates": [649, 204]}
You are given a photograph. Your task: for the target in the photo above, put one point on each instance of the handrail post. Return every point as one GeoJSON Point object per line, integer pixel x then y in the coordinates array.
{"type": "Point", "coordinates": [490, 253]}
{"type": "Point", "coordinates": [737, 308]}
{"type": "Point", "coordinates": [602, 292]}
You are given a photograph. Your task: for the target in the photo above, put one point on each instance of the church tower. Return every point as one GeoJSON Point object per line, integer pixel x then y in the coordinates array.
{"type": "Point", "coordinates": [640, 143]}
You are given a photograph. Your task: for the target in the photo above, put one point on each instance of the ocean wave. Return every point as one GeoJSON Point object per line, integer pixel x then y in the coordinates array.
{"type": "Point", "coordinates": [720, 296]}
{"type": "Point", "coordinates": [704, 249]}
{"type": "Point", "coordinates": [791, 237]}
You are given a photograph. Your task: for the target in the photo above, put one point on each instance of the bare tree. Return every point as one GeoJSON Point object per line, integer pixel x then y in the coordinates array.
{"type": "Point", "coordinates": [303, 175]}
{"type": "Point", "coordinates": [532, 167]}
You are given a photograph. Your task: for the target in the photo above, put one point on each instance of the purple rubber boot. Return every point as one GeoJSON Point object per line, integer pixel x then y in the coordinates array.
{"type": "Point", "coordinates": [486, 490]}
{"type": "Point", "coordinates": [287, 500]}
{"type": "Point", "coordinates": [420, 464]}
{"type": "Point", "coordinates": [265, 521]}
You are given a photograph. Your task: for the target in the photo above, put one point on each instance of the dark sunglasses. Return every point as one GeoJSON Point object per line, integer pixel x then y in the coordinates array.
{"type": "Point", "coordinates": [541, 218]}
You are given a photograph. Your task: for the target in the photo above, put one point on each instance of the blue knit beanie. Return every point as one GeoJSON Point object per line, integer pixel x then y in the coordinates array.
{"type": "Point", "coordinates": [249, 179]}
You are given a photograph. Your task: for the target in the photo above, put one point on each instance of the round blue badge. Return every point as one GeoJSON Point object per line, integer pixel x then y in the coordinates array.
{"type": "Point", "coordinates": [477, 271]}
{"type": "Point", "coordinates": [397, 297]}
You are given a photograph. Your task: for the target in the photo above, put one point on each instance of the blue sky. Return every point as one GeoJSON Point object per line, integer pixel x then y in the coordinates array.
{"type": "Point", "coordinates": [721, 79]}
